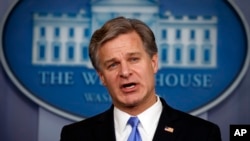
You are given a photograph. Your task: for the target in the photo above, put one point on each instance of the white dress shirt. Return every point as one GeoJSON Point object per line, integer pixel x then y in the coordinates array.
{"type": "Point", "coordinates": [148, 122]}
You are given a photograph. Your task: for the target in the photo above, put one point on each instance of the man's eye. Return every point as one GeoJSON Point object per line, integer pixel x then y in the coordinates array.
{"type": "Point", "coordinates": [112, 65]}
{"type": "Point", "coordinates": [134, 59]}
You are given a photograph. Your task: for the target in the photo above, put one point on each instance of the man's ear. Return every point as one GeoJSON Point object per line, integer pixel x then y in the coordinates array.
{"type": "Point", "coordinates": [101, 76]}
{"type": "Point", "coordinates": [154, 61]}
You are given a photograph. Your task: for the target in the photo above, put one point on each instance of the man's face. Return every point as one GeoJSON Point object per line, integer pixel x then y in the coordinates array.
{"type": "Point", "coordinates": [128, 72]}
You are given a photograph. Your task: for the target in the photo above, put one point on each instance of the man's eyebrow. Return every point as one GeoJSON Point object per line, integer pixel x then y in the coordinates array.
{"type": "Point", "coordinates": [133, 53]}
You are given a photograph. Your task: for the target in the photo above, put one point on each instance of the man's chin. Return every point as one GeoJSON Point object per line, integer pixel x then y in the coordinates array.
{"type": "Point", "coordinates": [132, 104]}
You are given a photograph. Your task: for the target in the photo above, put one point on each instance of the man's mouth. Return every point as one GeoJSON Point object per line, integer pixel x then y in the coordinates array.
{"type": "Point", "coordinates": [128, 87]}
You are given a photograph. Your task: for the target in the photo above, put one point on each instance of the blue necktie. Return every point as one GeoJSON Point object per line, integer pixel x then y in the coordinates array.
{"type": "Point", "coordinates": [134, 135]}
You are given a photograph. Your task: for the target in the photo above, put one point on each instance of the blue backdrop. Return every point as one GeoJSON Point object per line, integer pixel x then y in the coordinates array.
{"type": "Point", "coordinates": [23, 120]}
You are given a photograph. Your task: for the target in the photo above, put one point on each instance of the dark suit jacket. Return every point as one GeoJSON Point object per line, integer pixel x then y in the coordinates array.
{"type": "Point", "coordinates": [186, 128]}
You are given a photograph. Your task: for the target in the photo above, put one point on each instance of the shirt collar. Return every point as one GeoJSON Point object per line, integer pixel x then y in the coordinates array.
{"type": "Point", "coordinates": [121, 119]}
{"type": "Point", "coordinates": [146, 118]}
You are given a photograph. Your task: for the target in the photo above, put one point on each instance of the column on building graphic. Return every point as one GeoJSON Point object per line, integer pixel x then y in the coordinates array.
{"type": "Point", "coordinates": [61, 39]}
{"type": "Point", "coordinates": [144, 10]}
{"type": "Point", "coordinates": [187, 41]}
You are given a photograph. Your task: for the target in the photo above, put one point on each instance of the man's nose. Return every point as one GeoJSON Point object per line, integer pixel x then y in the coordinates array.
{"type": "Point", "coordinates": [125, 70]}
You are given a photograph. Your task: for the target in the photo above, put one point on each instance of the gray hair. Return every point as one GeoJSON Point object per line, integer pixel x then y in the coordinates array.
{"type": "Point", "coordinates": [117, 26]}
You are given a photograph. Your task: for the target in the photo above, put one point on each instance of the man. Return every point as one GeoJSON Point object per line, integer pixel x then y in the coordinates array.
{"type": "Point", "coordinates": [124, 54]}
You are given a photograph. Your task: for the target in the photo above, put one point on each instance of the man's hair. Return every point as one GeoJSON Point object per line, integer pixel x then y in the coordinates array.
{"type": "Point", "coordinates": [115, 27]}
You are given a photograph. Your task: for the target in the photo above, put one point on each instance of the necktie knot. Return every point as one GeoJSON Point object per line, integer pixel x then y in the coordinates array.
{"type": "Point", "coordinates": [133, 121]}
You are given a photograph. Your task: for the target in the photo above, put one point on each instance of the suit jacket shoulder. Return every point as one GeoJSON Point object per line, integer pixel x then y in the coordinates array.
{"type": "Point", "coordinates": [99, 127]}
{"type": "Point", "coordinates": [176, 125]}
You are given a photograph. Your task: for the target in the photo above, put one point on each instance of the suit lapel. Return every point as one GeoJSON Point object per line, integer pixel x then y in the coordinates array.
{"type": "Point", "coordinates": [166, 130]}
{"type": "Point", "coordinates": [105, 126]}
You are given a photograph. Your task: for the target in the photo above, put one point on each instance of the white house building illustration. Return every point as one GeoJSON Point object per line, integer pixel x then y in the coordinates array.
{"type": "Point", "coordinates": [184, 41]}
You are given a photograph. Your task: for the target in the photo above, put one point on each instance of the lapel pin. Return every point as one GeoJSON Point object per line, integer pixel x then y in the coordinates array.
{"type": "Point", "coordinates": [169, 129]}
